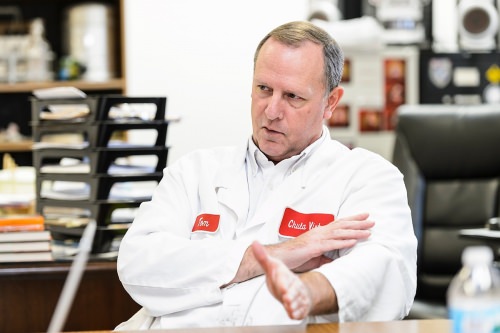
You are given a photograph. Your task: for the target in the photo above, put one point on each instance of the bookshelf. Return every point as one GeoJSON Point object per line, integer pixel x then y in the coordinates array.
{"type": "Point", "coordinates": [117, 84]}
{"type": "Point", "coordinates": [14, 96]}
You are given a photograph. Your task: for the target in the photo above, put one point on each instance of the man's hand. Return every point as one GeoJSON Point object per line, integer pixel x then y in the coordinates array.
{"type": "Point", "coordinates": [283, 284]}
{"type": "Point", "coordinates": [306, 252]}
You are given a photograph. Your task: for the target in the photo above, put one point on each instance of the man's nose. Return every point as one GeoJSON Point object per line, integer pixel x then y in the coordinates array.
{"type": "Point", "coordinates": [274, 108]}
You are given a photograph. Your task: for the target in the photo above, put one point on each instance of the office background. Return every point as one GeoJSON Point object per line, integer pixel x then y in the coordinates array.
{"type": "Point", "coordinates": [199, 54]}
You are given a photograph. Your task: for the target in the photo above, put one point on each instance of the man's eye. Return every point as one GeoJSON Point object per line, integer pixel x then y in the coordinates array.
{"type": "Point", "coordinates": [263, 88]}
{"type": "Point", "coordinates": [295, 101]}
{"type": "Point", "coordinates": [293, 96]}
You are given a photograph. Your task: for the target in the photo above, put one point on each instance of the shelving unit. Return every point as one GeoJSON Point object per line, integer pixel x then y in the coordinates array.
{"type": "Point", "coordinates": [21, 146]}
{"type": "Point", "coordinates": [14, 97]}
{"type": "Point", "coordinates": [100, 160]}
{"type": "Point", "coordinates": [27, 87]}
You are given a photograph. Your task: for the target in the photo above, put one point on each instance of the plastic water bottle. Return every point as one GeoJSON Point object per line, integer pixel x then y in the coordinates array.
{"type": "Point", "coordinates": [474, 293]}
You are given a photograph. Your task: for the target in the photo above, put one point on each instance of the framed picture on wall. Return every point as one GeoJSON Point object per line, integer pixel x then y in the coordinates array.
{"type": "Point", "coordinates": [346, 73]}
{"type": "Point", "coordinates": [370, 119]}
{"type": "Point", "coordinates": [340, 116]}
{"type": "Point", "coordinates": [394, 89]}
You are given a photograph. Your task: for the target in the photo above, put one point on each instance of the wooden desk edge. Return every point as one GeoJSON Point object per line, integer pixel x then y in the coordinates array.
{"type": "Point", "coordinates": [414, 326]}
{"type": "Point", "coordinates": [19, 269]}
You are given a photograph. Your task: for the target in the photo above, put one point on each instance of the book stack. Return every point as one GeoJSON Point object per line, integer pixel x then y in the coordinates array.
{"type": "Point", "coordinates": [23, 238]}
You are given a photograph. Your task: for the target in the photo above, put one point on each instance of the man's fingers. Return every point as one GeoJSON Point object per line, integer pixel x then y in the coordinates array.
{"type": "Point", "coordinates": [357, 217]}
{"type": "Point", "coordinates": [296, 300]}
{"type": "Point", "coordinates": [348, 234]}
{"type": "Point", "coordinates": [352, 224]}
{"type": "Point", "coordinates": [283, 284]}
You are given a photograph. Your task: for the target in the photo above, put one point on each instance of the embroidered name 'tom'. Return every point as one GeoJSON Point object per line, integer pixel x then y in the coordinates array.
{"type": "Point", "coordinates": [206, 223]}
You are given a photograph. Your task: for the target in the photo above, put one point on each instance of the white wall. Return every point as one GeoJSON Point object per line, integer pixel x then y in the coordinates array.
{"type": "Point", "coordinates": [199, 54]}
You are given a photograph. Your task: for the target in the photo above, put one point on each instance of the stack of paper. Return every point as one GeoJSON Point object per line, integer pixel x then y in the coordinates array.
{"type": "Point", "coordinates": [59, 92]}
{"type": "Point", "coordinates": [24, 238]}
{"type": "Point", "coordinates": [65, 111]}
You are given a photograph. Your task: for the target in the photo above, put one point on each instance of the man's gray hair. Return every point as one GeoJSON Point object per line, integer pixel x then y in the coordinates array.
{"type": "Point", "coordinates": [295, 33]}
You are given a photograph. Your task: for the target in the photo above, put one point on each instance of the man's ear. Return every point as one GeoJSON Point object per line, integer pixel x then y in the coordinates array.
{"type": "Point", "coordinates": [333, 99]}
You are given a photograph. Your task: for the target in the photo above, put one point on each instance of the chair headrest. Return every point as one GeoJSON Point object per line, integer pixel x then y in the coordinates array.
{"type": "Point", "coordinates": [450, 141]}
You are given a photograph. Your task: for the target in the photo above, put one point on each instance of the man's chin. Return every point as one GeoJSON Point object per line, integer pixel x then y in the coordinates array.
{"type": "Point", "coordinates": [272, 153]}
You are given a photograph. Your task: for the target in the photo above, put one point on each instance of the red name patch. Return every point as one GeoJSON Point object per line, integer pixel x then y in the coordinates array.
{"type": "Point", "coordinates": [206, 223]}
{"type": "Point", "coordinates": [295, 224]}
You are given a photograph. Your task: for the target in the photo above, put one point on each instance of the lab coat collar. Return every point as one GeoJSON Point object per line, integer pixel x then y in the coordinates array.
{"type": "Point", "coordinates": [317, 154]}
{"type": "Point", "coordinates": [232, 186]}
{"type": "Point", "coordinates": [313, 158]}
{"type": "Point", "coordinates": [255, 157]}
{"type": "Point", "coordinates": [232, 168]}
{"type": "Point", "coordinates": [315, 162]}
{"type": "Point", "coordinates": [231, 183]}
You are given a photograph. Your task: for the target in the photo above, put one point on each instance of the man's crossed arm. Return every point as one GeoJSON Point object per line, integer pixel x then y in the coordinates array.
{"type": "Point", "coordinates": [288, 266]}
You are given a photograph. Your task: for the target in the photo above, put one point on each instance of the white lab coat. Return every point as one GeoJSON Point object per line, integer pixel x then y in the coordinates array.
{"type": "Point", "coordinates": [176, 274]}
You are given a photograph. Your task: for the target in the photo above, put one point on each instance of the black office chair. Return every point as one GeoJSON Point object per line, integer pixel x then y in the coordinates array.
{"type": "Point", "coordinates": [450, 158]}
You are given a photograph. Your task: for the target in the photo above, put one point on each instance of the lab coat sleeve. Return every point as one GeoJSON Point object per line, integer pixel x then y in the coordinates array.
{"type": "Point", "coordinates": [159, 266]}
{"type": "Point", "coordinates": [376, 279]}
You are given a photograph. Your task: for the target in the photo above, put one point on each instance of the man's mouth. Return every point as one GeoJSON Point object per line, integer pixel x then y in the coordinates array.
{"type": "Point", "coordinates": [271, 131]}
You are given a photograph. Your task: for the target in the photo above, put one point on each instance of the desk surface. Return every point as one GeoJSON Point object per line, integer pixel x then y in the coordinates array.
{"type": "Point", "coordinates": [488, 237]}
{"type": "Point", "coordinates": [481, 233]}
{"type": "Point", "coordinates": [408, 326]}
{"type": "Point", "coordinates": [51, 267]}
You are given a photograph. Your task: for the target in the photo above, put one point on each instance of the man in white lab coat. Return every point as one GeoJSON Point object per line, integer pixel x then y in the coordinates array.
{"type": "Point", "coordinates": [289, 227]}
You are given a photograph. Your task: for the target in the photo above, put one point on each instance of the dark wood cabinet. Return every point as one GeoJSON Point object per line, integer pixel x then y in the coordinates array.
{"type": "Point", "coordinates": [29, 293]}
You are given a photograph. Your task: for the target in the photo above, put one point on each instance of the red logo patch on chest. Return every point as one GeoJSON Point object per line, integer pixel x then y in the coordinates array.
{"type": "Point", "coordinates": [294, 223]}
{"type": "Point", "coordinates": [206, 223]}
